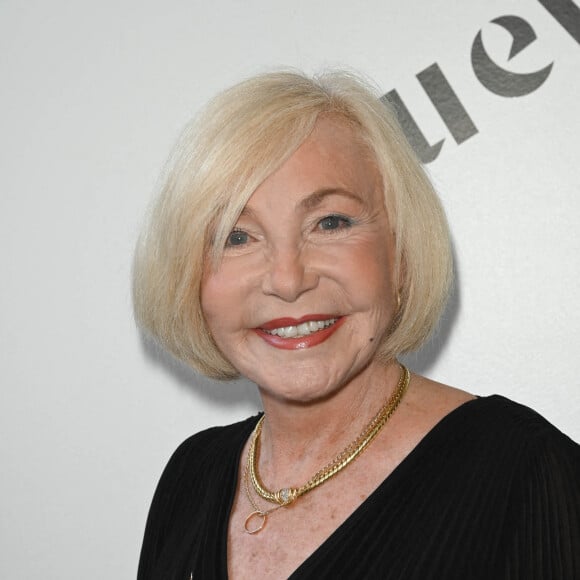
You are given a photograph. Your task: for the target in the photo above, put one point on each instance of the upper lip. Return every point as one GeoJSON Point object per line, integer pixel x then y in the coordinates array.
{"type": "Point", "coordinates": [288, 321]}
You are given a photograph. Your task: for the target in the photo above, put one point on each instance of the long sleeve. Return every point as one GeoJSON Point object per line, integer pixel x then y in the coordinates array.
{"type": "Point", "coordinates": [186, 531]}
{"type": "Point", "coordinates": [162, 512]}
{"type": "Point", "coordinates": [542, 532]}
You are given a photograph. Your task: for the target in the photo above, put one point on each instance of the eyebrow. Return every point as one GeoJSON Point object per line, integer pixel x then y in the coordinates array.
{"type": "Point", "coordinates": [317, 197]}
{"type": "Point", "coordinates": [247, 211]}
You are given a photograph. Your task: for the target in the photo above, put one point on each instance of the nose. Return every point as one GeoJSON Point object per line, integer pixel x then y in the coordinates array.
{"type": "Point", "coordinates": [288, 274]}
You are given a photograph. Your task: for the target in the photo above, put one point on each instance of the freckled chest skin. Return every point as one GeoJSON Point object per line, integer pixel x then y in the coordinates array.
{"type": "Point", "coordinates": [291, 267]}
{"type": "Point", "coordinates": [293, 534]}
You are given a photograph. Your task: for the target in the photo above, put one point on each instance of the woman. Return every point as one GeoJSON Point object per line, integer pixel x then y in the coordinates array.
{"type": "Point", "coordinates": [297, 242]}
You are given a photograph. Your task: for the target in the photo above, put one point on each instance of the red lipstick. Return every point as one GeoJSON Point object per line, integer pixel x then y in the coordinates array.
{"type": "Point", "coordinates": [281, 322]}
{"type": "Point", "coordinates": [297, 343]}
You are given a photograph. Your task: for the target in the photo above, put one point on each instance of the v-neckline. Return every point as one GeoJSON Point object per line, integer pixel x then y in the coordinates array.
{"type": "Point", "coordinates": [396, 475]}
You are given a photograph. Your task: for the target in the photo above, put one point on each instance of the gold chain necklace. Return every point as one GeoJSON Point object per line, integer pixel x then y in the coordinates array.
{"type": "Point", "coordinates": [287, 495]}
{"type": "Point", "coordinates": [258, 513]}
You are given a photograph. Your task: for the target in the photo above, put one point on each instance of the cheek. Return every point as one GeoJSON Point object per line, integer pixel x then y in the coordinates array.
{"type": "Point", "coordinates": [217, 311]}
{"type": "Point", "coordinates": [371, 269]}
{"type": "Point", "coordinates": [372, 290]}
{"type": "Point", "coordinates": [224, 299]}
{"type": "Point", "coordinates": [215, 300]}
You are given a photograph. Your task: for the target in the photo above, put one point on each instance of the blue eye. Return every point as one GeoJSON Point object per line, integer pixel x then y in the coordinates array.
{"type": "Point", "coordinates": [334, 222]}
{"type": "Point", "coordinates": [237, 238]}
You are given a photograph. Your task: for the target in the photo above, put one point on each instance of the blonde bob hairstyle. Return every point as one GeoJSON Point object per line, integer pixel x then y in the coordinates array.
{"type": "Point", "coordinates": [244, 135]}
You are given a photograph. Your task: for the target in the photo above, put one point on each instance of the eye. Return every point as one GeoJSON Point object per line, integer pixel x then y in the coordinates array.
{"type": "Point", "coordinates": [334, 222]}
{"type": "Point", "coordinates": [237, 238]}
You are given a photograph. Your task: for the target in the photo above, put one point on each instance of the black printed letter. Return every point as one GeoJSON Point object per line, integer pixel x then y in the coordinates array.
{"type": "Point", "coordinates": [498, 80]}
{"type": "Point", "coordinates": [566, 13]}
{"type": "Point", "coordinates": [425, 152]}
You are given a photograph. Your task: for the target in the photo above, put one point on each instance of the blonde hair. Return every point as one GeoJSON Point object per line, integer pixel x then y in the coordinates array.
{"type": "Point", "coordinates": [243, 136]}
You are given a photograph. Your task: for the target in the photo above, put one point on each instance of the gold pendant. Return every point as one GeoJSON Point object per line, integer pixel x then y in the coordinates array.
{"type": "Point", "coordinates": [262, 523]}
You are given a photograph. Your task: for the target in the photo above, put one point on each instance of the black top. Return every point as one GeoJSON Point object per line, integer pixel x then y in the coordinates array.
{"type": "Point", "coordinates": [491, 492]}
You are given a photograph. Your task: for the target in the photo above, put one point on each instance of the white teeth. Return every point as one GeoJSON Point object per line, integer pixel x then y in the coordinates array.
{"type": "Point", "coordinates": [303, 329]}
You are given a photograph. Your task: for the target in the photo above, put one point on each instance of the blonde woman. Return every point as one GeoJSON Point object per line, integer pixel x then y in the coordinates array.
{"type": "Point", "coordinates": [298, 242]}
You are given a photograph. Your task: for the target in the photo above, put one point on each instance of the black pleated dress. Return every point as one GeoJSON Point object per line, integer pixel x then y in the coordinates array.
{"type": "Point", "coordinates": [491, 492]}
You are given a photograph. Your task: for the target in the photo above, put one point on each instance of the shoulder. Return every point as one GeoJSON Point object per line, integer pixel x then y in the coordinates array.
{"type": "Point", "coordinates": [201, 462]}
{"type": "Point", "coordinates": [188, 489]}
{"type": "Point", "coordinates": [502, 417]}
{"type": "Point", "coordinates": [506, 423]}
{"type": "Point", "coordinates": [519, 448]}
{"type": "Point", "coordinates": [203, 448]}
{"type": "Point", "coordinates": [540, 534]}
{"type": "Point", "coordinates": [496, 434]}
{"type": "Point", "coordinates": [545, 453]}
{"type": "Point", "coordinates": [493, 417]}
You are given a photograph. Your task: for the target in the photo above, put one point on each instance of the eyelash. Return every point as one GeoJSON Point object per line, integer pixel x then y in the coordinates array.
{"type": "Point", "coordinates": [236, 232]}
{"type": "Point", "coordinates": [343, 222]}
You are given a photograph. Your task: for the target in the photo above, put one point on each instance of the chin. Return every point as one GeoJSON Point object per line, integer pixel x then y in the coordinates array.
{"type": "Point", "coordinates": [301, 386]}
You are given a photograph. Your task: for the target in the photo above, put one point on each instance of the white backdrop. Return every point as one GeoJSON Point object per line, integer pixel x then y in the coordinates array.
{"type": "Point", "coordinates": [92, 96]}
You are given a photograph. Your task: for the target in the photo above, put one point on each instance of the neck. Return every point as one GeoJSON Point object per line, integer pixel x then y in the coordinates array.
{"type": "Point", "coordinates": [298, 438]}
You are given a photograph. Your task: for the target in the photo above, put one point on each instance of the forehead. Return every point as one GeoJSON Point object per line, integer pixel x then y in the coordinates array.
{"type": "Point", "coordinates": [332, 158]}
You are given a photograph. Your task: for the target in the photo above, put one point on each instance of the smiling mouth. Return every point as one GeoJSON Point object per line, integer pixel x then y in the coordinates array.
{"type": "Point", "coordinates": [302, 329]}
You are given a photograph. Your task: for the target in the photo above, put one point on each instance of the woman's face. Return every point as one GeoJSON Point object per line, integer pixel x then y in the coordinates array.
{"type": "Point", "coordinates": [304, 291]}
